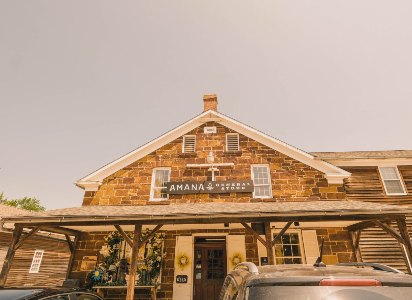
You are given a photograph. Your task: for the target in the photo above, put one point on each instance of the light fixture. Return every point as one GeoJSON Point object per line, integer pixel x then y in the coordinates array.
{"type": "Point", "coordinates": [210, 158]}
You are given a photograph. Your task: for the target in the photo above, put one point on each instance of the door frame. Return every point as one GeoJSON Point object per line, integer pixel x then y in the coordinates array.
{"type": "Point", "coordinates": [206, 235]}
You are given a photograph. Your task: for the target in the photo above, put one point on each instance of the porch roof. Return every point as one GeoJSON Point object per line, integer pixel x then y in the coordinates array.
{"type": "Point", "coordinates": [192, 213]}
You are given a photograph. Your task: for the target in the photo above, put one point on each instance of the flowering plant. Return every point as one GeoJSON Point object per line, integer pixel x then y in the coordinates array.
{"type": "Point", "coordinates": [150, 270]}
{"type": "Point", "coordinates": [109, 272]}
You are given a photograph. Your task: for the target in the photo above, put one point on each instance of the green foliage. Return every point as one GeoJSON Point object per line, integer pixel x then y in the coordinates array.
{"type": "Point", "coordinates": [27, 203]}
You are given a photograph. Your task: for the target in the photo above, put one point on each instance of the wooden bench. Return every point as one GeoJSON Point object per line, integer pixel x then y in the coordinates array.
{"type": "Point", "coordinates": [100, 290]}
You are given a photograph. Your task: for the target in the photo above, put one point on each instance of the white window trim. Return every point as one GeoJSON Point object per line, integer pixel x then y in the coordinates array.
{"type": "Point", "coordinates": [153, 182]}
{"type": "Point", "coordinates": [34, 262]}
{"type": "Point", "coordinates": [184, 142]}
{"type": "Point", "coordinates": [254, 185]}
{"type": "Point", "coordinates": [301, 246]}
{"type": "Point", "coordinates": [400, 179]}
{"type": "Point", "coordinates": [238, 141]}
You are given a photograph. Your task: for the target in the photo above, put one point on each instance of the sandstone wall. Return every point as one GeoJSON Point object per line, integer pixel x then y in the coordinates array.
{"type": "Point", "coordinates": [291, 179]}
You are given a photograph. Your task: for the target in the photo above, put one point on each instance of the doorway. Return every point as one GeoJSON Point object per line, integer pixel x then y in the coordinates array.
{"type": "Point", "coordinates": [209, 267]}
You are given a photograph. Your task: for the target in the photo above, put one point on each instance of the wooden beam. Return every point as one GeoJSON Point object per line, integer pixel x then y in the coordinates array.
{"type": "Point", "coordinates": [169, 220]}
{"type": "Point", "coordinates": [279, 235]}
{"type": "Point", "coordinates": [389, 229]}
{"type": "Point", "coordinates": [23, 238]}
{"type": "Point", "coordinates": [10, 254]}
{"type": "Point", "coordinates": [124, 235]}
{"type": "Point", "coordinates": [133, 263]}
{"type": "Point", "coordinates": [365, 224]}
{"type": "Point", "coordinates": [403, 229]}
{"type": "Point", "coordinates": [269, 247]}
{"type": "Point", "coordinates": [150, 235]}
{"type": "Point", "coordinates": [71, 260]}
{"type": "Point", "coordinates": [60, 230]}
{"type": "Point", "coordinates": [254, 233]}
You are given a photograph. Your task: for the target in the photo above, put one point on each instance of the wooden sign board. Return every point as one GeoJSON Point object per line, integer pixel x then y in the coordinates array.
{"type": "Point", "coordinates": [181, 279]}
{"type": "Point", "coordinates": [88, 263]}
{"type": "Point", "coordinates": [209, 187]}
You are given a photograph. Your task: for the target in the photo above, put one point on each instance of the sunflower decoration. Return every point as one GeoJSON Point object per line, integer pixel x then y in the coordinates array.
{"type": "Point", "coordinates": [236, 259]}
{"type": "Point", "coordinates": [182, 261]}
{"type": "Point", "coordinates": [97, 275]}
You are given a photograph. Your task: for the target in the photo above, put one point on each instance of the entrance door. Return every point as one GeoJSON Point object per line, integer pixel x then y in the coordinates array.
{"type": "Point", "coordinates": [209, 267]}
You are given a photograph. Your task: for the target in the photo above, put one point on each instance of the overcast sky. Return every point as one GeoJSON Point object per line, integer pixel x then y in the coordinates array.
{"type": "Point", "coordinates": [84, 82]}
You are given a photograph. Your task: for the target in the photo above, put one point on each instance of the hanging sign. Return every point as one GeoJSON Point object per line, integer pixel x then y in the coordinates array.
{"type": "Point", "coordinates": [209, 187]}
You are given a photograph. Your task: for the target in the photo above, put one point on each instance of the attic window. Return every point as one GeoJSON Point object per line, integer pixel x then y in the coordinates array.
{"type": "Point", "coordinates": [392, 181]}
{"type": "Point", "coordinates": [189, 144]}
{"type": "Point", "coordinates": [232, 142]}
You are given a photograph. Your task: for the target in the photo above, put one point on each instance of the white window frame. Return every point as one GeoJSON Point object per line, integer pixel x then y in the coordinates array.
{"type": "Point", "coordinates": [301, 245]}
{"type": "Point", "coordinates": [153, 182]}
{"type": "Point", "coordinates": [184, 142]}
{"type": "Point", "coordinates": [36, 261]}
{"type": "Point", "coordinates": [238, 142]}
{"type": "Point", "coordinates": [254, 185]}
{"type": "Point", "coordinates": [400, 179]}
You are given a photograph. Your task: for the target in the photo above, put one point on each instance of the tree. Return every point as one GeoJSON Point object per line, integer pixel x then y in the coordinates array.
{"type": "Point", "coordinates": [27, 203]}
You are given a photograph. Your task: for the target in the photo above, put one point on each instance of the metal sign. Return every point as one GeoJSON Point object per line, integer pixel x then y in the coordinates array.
{"type": "Point", "coordinates": [181, 279]}
{"type": "Point", "coordinates": [209, 187]}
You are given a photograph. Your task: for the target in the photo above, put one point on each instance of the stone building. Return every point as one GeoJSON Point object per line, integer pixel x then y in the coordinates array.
{"type": "Point", "coordinates": [213, 162]}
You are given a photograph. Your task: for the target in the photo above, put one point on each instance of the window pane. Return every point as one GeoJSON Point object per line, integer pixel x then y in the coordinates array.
{"type": "Point", "coordinates": [389, 173]}
{"type": "Point", "coordinates": [262, 191]}
{"type": "Point", "coordinates": [287, 251]}
{"type": "Point", "coordinates": [260, 175]}
{"type": "Point", "coordinates": [394, 187]}
{"type": "Point", "coordinates": [159, 185]}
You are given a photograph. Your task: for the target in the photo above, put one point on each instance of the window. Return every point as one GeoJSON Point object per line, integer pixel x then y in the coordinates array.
{"type": "Point", "coordinates": [159, 178]}
{"type": "Point", "coordinates": [287, 250]}
{"type": "Point", "coordinates": [189, 144]}
{"type": "Point", "coordinates": [261, 181]}
{"type": "Point", "coordinates": [36, 262]}
{"type": "Point", "coordinates": [232, 142]}
{"type": "Point", "coordinates": [392, 181]}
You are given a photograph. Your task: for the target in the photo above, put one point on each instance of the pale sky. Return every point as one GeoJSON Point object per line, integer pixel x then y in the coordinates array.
{"type": "Point", "coordinates": [84, 82]}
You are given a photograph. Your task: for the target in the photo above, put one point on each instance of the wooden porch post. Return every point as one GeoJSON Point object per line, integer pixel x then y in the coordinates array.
{"type": "Point", "coordinates": [403, 229]}
{"type": "Point", "coordinates": [72, 246]}
{"type": "Point", "coordinates": [133, 263]}
{"type": "Point", "coordinates": [18, 229]}
{"type": "Point", "coordinates": [355, 237]}
{"type": "Point", "coordinates": [269, 246]}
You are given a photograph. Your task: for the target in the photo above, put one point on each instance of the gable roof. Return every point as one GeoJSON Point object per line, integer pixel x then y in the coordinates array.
{"type": "Point", "coordinates": [332, 173]}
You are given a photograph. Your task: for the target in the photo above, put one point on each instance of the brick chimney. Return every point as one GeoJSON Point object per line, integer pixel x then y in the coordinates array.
{"type": "Point", "coordinates": [210, 102]}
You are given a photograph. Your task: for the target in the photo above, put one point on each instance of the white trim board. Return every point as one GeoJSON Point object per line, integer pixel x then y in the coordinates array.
{"type": "Point", "coordinates": [333, 174]}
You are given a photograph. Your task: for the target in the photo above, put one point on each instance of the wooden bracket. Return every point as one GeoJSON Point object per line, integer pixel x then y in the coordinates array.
{"type": "Point", "coordinates": [254, 233]}
{"type": "Point", "coordinates": [23, 238]}
{"type": "Point", "coordinates": [150, 235]}
{"type": "Point", "coordinates": [124, 235]}
{"type": "Point", "coordinates": [279, 235]}
{"type": "Point", "coordinates": [389, 229]}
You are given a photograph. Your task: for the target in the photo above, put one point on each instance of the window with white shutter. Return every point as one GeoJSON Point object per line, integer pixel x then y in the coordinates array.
{"type": "Point", "coordinates": [36, 262]}
{"type": "Point", "coordinates": [189, 144]}
{"type": "Point", "coordinates": [160, 177]}
{"type": "Point", "coordinates": [232, 142]}
{"type": "Point", "coordinates": [392, 181]}
{"type": "Point", "coordinates": [261, 181]}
